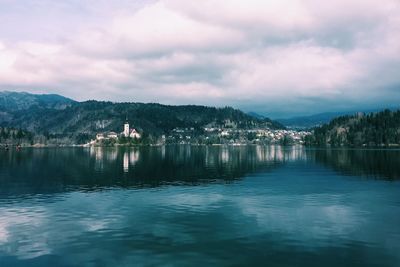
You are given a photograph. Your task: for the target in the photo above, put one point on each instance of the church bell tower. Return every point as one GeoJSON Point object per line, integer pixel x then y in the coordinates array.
{"type": "Point", "coordinates": [126, 128]}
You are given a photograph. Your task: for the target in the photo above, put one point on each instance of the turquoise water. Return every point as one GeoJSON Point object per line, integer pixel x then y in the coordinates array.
{"type": "Point", "coordinates": [199, 206]}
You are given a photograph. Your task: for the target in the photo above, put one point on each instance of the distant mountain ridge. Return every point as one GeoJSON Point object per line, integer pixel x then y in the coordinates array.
{"type": "Point", "coordinates": [256, 115]}
{"type": "Point", "coordinates": [311, 120]}
{"type": "Point", "coordinates": [60, 116]}
{"type": "Point", "coordinates": [319, 119]}
{"type": "Point", "coordinates": [14, 101]}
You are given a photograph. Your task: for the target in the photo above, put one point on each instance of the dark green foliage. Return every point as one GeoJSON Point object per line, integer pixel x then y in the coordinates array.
{"type": "Point", "coordinates": [369, 162]}
{"type": "Point", "coordinates": [374, 129]}
{"type": "Point", "coordinates": [81, 121]}
{"type": "Point", "coordinates": [83, 138]}
{"type": "Point", "coordinates": [251, 136]}
{"type": "Point", "coordinates": [13, 101]}
{"type": "Point", "coordinates": [15, 136]}
{"type": "Point", "coordinates": [287, 140]}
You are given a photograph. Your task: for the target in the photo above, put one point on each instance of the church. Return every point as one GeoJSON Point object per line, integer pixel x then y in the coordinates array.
{"type": "Point", "coordinates": [132, 133]}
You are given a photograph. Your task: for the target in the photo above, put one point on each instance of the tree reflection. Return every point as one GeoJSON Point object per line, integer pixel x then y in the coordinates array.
{"type": "Point", "coordinates": [380, 164]}
{"type": "Point", "coordinates": [54, 170]}
{"type": "Point", "coordinates": [42, 171]}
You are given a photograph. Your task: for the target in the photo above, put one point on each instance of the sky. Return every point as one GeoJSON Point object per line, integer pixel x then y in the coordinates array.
{"type": "Point", "coordinates": [279, 58]}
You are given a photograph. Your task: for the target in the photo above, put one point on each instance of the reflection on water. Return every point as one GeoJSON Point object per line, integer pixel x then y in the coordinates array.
{"type": "Point", "coordinates": [130, 158]}
{"type": "Point", "coordinates": [29, 171]}
{"type": "Point", "coordinates": [197, 206]}
{"type": "Point", "coordinates": [381, 164]}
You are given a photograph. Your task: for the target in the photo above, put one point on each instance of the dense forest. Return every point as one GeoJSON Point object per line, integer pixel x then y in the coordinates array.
{"type": "Point", "coordinates": [15, 136]}
{"type": "Point", "coordinates": [52, 119]}
{"type": "Point", "coordinates": [63, 121]}
{"type": "Point", "coordinates": [374, 129]}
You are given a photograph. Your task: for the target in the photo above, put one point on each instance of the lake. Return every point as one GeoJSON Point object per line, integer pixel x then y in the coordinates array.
{"type": "Point", "coordinates": [200, 206]}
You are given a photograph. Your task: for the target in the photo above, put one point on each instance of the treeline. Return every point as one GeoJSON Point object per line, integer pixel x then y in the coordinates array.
{"type": "Point", "coordinates": [146, 139]}
{"type": "Point", "coordinates": [17, 136]}
{"type": "Point", "coordinates": [57, 120]}
{"type": "Point", "coordinates": [14, 136]}
{"type": "Point", "coordinates": [374, 129]}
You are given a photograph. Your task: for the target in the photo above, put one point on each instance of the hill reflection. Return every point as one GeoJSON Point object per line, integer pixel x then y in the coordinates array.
{"type": "Point", "coordinates": [33, 171]}
{"type": "Point", "coordinates": [43, 171]}
{"type": "Point", "coordinates": [379, 164]}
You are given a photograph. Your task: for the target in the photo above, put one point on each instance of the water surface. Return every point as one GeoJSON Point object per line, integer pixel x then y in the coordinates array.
{"type": "Point", "coordinates": [199, 206]}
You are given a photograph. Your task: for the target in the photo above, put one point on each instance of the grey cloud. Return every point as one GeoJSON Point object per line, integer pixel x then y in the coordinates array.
{"type": "Point", "coordinates": [260, 55]}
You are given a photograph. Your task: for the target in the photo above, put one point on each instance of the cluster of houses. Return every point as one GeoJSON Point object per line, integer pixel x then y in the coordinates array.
{"type": "Point", "coordinates": [277, 135]}
{"type": "Point", "coordinates": [237, 136]}
{"type": "Point", "coordinates": [213, 135]}
{"type": "Point", "coordinates": [128, 132]}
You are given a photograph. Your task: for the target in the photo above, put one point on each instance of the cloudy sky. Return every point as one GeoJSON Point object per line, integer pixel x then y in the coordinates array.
{"type": "Point", "coordinates": [276, 57]}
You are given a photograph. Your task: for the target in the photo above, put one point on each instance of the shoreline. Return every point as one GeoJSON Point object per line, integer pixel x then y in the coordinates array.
{"type": "Point", "coordinates": [16, 147]}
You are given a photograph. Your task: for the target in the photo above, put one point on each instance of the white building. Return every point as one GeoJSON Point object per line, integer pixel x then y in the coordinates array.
{"type": "Point", "coordinates": [112, 135]}
{"type": "Point", "coordinates": [134, 134]}
{"type": "Point", "coordinates": [224, 133]}
{"type": "Point", "coordinates": [126, 129]}
{"type": "Point", "coordinates": [109, 135]}
{"type": "Point", "coordinates": [99, 136]}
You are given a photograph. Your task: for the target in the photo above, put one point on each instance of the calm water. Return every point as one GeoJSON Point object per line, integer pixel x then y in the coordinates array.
{"type": "Point", "coordinates": [199, 206]}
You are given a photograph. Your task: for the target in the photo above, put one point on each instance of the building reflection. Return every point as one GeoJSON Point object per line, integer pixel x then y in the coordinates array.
{"type": "Point", "coordinates": [125, 161]}
{"type": "Point", "coordinates": [130, 158]}
{"type": "Point", "coordinates": [106, 167]}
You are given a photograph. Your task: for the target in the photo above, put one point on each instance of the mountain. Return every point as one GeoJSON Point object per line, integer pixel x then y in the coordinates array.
{"type": "Point", "coordinates": [256, 115]}
{"type": "Point", "coordinates": [309, 121]}
{"type": "Point", "coordinates": [304, 122]}
{"type": "Point", "coordinates": [15, 101]}
{"type": "Point", "coordinates": [373, 129]}
{"type": "Point", "coordinates": [65, 118]}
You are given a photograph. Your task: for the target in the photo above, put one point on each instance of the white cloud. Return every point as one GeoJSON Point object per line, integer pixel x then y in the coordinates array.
{"type": "Point", "coordinates": [214, 52]}
{"type": "Point", "coordinates": [299, 70]}
{"type": "Point", "coordinates": [265, 16]}
{"type": "Point", "coordinates": [307, 223]}
{"type": "Point", "coordinates": [152, 31]}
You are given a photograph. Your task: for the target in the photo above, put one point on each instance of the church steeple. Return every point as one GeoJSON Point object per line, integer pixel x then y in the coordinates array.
{"type": "Point", "coordinates": [126, 127]}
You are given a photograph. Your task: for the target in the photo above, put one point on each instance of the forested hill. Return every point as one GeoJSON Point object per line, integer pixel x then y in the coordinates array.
{"type": "Point", "coordinates": [13, 101]}
{"type": "Point", "coordinates": [373, 129]}
{"type": "Point", "coordinates": [76, 119]}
